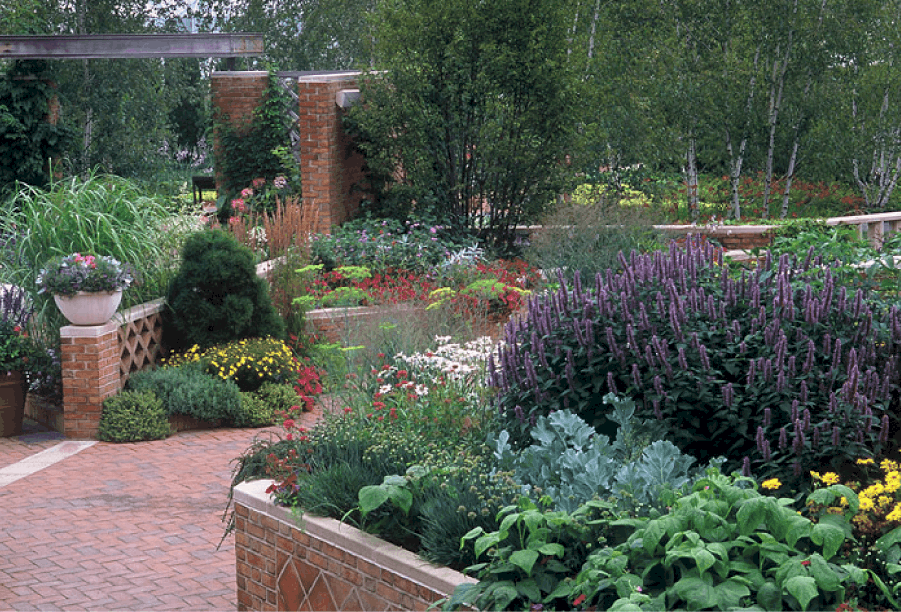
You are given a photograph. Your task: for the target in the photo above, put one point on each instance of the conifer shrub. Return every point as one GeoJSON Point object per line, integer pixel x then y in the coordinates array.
{"type": "Point", "coordinates": [216, 296]}
{"type": "Point", "coordinates": [132, 416]}
{"type": "Point", "coordinates": [778, 368]}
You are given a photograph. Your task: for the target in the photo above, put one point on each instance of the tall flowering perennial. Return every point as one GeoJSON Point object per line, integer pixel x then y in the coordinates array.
{"type": "Point", "coordinates": [779, 364]}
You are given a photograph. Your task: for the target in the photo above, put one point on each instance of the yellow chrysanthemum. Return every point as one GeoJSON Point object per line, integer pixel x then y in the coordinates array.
{"type": "Point", "coordinates": [884, 501]}
{"type": "Point", "coordinates": [866, 503]}
{"type": "Point", "coordinates": [771, 484]}
{"type": "Point", "coordinates": [816, 475]}
{"type": "Point", "coordinates": [867, 461]}
{"type": "Point", "coordinates": [843, 502]}
{"type": "Point", "coordinates": [874, 490]}
{"type": "Point", "coordinates": [888, 465]}
{"type": "Point", "coordinates": [894, 515]}
{"type": "Point", "coordinates": [830, 478]}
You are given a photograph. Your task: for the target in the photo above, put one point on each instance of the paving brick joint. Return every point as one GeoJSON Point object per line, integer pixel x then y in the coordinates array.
{"type": "Point", "coordinates": [119, 526]}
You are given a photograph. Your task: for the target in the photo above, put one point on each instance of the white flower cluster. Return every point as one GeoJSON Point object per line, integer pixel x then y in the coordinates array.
{"type": "Point", "coordinates": [456, 361]}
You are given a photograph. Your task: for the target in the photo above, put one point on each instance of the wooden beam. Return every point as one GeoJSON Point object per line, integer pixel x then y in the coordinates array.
{"type": "Point", "coordinates": [128, 46]}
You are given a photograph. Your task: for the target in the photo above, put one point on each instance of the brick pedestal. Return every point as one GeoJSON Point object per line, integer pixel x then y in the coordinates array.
{"type": "Point", "coordinates": [90, 364]}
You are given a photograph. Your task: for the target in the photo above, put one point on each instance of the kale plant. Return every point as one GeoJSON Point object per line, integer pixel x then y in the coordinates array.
{"type": "Point", "coordinates": [570, 463]}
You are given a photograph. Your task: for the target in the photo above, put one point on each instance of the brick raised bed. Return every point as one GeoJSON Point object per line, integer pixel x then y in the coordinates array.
{"type": "Point", "coordinates": [323, 564]}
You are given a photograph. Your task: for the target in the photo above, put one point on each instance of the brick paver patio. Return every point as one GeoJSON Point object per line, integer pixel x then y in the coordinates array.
{"type": "Point", "coordinates": [121, 526]}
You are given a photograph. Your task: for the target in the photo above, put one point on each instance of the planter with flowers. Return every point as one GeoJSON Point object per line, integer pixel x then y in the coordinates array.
{"type": "Point", "coordinates": [19, 356]}
{"type": "Point", "coordinates": [87, 288]}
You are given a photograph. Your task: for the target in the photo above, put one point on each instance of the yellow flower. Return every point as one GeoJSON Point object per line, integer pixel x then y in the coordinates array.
{"type": "Point", "coordinates": [830, 478]}
{"type": "Point", "coordinates": [874, 490]}
{"type": "Point", "coordinates": [816, 475]}
{"type": "Point", "coordinates": [888, 465]}
{"type": "Point", "coordinates": [894, 515]}
{"type": "Point", "coordinates": [892, 482]}
{"type": "Point", "coordinates": [843, 502]}
{"type": "Point", "coordinates": [884, 501]}
{"type": "Point", "coordinates": [867, 461]}
{"type": "Point", "coordinates": [866, 503]}
{"type": "Point", "coordinates": [771, 484]}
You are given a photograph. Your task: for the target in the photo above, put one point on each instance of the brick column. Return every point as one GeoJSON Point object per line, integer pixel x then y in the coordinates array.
{"type": "Point", "coordinates": [235, 95]}
{"type": "Point", "coordinates": [90, 364]}
{"type": "Point", "coordinates": [329, 166]}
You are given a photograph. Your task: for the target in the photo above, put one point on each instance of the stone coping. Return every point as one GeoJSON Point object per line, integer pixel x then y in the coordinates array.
{"type": "Point", "coordinates": [362, 545]}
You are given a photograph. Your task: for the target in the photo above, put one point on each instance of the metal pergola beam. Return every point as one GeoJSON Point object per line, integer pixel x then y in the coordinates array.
{"type": "Point", "coordinates": [129, 46]}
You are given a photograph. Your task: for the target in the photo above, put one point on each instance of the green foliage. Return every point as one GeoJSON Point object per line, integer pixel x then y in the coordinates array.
{"type": "Point", "coordinates": [28, 141]}
{"type": "Point", "coordinates": [588, 234]}
{"type": "Point", "coordinates": [569, 463]}
{"type": "Point", "coordinates": [216, 296]}
{"type": "Point", "coordinates": [259, 408]}
{"type": "Point", "coordinates": [98, 214]}
{"type": "Point", "coordinates": [380, 244]}
{"type": "Point", "coordinates": [246, 151]}
{"type": "Point", "coordinates": [131, 416]}
{"type": "Point", "coordinates": [189, 391]}
{"type": "Point", "coordinates": [474, 102]}
{"type": "Point", "coordinates": [721, 547]}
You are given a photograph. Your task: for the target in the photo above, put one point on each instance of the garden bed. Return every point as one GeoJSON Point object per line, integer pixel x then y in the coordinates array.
{"type": "Point", "coordinates": [323, 564]}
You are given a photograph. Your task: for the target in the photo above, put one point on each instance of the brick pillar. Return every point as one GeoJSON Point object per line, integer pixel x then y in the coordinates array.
{"type": "Point", "coordinates": [235, 95]}
{"type": "Point", "coordinates": [90, 364]}
{"type": "Point", "coordinates": [329, 166]}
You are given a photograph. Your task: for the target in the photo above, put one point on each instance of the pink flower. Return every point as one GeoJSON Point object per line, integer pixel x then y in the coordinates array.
{"type": "Point", "coordinates": [247, 193]}
{"type": "Point", "coordinates": [280, 182]}
{"type": "Point", "coordinates": [258, 182]}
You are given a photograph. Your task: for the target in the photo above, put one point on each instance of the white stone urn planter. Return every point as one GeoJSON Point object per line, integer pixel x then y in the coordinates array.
{"type": "Point", "coordinates": [85, 308]}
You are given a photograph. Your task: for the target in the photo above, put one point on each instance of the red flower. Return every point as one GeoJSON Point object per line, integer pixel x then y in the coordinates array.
{"type": "Point", "coordinates": [805, 562]}
{"type": "Point", "coordinates": [579, 600]}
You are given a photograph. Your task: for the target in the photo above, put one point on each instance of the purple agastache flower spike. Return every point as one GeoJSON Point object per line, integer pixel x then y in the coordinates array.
{"type": "Point", "coordinates": [767, 417]}
{"type": "Point", "coordinates": [611, 383]}
{"type": "Point", "coordinates": [783, 438]}
{"type": "Point", "coordinates": [636, 377]}
{"type": "Point", "coordinates": [759, 439]}
{"type": "Point", "coordinates": [658, 385]}
{"type": "Point", "coordinates": [802, 394]}
{"type": "Point", "coordinates": [683, 362]}
{"type": "Point", "coordinates": [752, 372]}
{"type": "Point", "coordinates": [705, 361]}
{"type": "Point", "coordinates": [767, 453]}
{"type": "Point", "coordinates": [816, 437]}
{"type": "Point", "coordinates": [520, 416]}
{"type": "Point", "coordinates": [835, 435]}
{"type": "Point", "coordinates": [727, 395]}
{"type": "Point", "coordinates": [883, 433]}
{"type": "Point", "coordinates": [805, 416]}
{"type": "Point", "coordinates": [658, 414]}
{"type": "Point", "coordinates": [746, 467]}
{"type": "Point", "coordinates": [794, 411]}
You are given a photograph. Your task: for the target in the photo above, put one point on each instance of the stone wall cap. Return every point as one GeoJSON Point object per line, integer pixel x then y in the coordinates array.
{"type": "Point", "coordinates": [240, 73]}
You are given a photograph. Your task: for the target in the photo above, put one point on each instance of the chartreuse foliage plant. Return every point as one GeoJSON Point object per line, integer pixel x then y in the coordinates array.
{"type": "Point", "coordinates": [781, 365]}
{"type": "Point", "coordinates": [132, 416]}
{"type": "Point", "coordinates": [722, 546]}
{"type": "Point", "coordinates": [216, 296]}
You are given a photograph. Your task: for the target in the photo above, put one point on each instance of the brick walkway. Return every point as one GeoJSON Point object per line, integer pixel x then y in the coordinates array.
{"type": "Point", "coordinates": [121, 526]}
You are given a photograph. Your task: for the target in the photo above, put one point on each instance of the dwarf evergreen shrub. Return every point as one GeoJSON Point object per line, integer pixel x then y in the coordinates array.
{"type": "Point", "coordinates": [778, 366]}
{"type": "Point", "coordinates": [189, 391]}
{"type": "Point", "coordinates": [132, 416]}
{"type": "Point", "coordinates": [216, 296]}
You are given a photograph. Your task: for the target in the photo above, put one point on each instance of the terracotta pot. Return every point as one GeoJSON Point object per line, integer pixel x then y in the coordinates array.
{"type": "Point", "coordinates": [89, 308]}
{"type": "Point", "coordinates": [12, 404]}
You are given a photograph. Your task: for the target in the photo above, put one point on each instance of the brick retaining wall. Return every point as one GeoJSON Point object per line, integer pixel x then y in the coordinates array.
{"type": "Point", "coordinates": [322, 564]}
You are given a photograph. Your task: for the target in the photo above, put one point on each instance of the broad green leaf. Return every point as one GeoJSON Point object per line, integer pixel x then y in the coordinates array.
{"type": "Point", "coordinates": [769, 596]}
{"type": "Point", "coordinates": [623, 604]}
{"type": "Point", "coordinates": [502, 594]}
{"type": "Point", "coordinates": [524, 559]}
{"type": "Point", "coordinates": [652, 535]}
{"type": "Point", "coordinates": [798, 527]}
{"type": "Point", "coordinates": [703, 558]}
{"type": "Point", "coordinates": [371, 497]}
{"type": "Point", "coordinates": [696, 592]}
{"type": "Point", "coordinates": [828, 536]}
{"type": "Point", "coordinates": [485, 542]}
{"type": "Point", "coordinates": [751, 513]}
{"type": "Point", "coordinates": [889, 539]}
{"type": "Point", "coordinates": [730, 593]}
{"type": "Point", "coordinates": [804, 588]}
{"type": "Point", "coordinates": [552, 549]}
{"type": "Point", "coordinates": [529, 589]}
{"type": "Point", "coordinates": [827, 579]}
